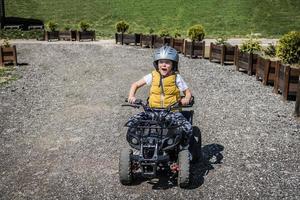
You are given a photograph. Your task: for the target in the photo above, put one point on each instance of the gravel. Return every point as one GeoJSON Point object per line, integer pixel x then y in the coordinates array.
{"type": "Point", "coordinates": [61, 128]}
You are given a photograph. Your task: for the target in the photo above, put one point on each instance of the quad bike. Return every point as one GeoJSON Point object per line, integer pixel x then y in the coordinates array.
{"type": "Point", "coordinates": [158, 145]}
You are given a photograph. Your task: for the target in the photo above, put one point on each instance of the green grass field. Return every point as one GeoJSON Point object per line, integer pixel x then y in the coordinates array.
{"type": "Point", "coordinates": [231, 18]}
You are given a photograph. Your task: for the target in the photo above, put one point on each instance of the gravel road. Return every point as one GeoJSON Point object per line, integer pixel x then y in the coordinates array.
{"type": "Point", "coordinates": [61, 128]}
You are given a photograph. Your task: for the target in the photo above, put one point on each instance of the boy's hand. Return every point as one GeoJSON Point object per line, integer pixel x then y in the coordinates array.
{"type": "Point", "coordinates": [131, 99]}
{"type": "Point", "coordinates": [185, 101]}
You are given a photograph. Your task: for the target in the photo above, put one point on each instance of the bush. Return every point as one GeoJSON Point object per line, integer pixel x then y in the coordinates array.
{"type": "Point", "coordinates": [196, 32]}
{"type": "Point", "coordinates": [270, 50]}
{"type": "Point", "coordinates": [20, 34]}
{"type": "Point", "coordinates": [51, 25]}
{"type": "Point", "coordinates": [177, 34]}
{"type": "Point", "coordinates": [251, 46]}
{"type": "Point", "coordinates": [122, 26]}
{"type": "Point", "coordinates": [288, 48]}
{"type": "Point", "coordinates": [84, 25]}
{"type": "Point", "coordinates": [164, 33]}
{"type": "Point", "coordinates": [67, 27]}
{"type": "Point", "coordinates": [6, 43]}
{"type": "Point", "coordinates": [221, 41]}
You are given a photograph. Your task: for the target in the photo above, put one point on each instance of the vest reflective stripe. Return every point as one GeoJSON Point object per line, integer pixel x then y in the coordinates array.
{"type": "Point", "coordinates": [170, 94]}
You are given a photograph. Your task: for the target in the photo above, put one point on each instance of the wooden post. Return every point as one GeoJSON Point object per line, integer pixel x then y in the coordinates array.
{"type": "Point", "coordinates": [259, 62]}
{"type": "Point", "coordinates": [184, 45]}
{"type": "Point", "coordinates": [250, 65]}
{"type": "Point", "coordinates": [203, 49]}
{"type": "Point", "coordinates": [210, 51]}
{"type": "Point", "coordinates": [141, 39]}
{"type": "Point", "coordinates": [285, 92]}
{"type": "Point", "coordinates": [192, 49]}
{"type": "Point", "coordinates": [267, 64]}
{"type": "Point", "coordinates": [276, 81]}
{"type": "Point", "coordinates": [297, 104]}
{"type": "Point", "coordinates": [135, 38]}
{"type": "Point", "coordinates": [15, 60]}
{"type": "Point", "coordinates": [223, 54]}
{"type": "Point", "coordinates": [236, 57]}
{"type": "Point", "coordinates": [122, 38]}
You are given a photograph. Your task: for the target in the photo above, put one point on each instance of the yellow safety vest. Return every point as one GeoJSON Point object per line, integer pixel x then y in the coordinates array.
{"type": "Point", "coordinates": [163, 91]}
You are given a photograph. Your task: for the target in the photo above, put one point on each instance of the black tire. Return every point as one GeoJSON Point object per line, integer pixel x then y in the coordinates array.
{"type": "Point", "coordinates": [184, 169]}
{"type": "Point", "coordinates": [125, 171]}
{"type": "Point", "coordinates": [196, 145]}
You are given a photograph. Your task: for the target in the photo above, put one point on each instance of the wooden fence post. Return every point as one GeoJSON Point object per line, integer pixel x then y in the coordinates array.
{"type": "Point", "coordinates": [285, 91]}
{"type": "Point", "coordinates": [297, 104]}
{"type": "Point", "coordinates": [250, 65]}
{"type": "Point", "coordinates": [236, 58]}
{"type": "Point", "coordinates": [210, 51]}
{"type": "Point", "coordinates": [267, 64]}
{"type": "Point", "coordinates": [223, 54]}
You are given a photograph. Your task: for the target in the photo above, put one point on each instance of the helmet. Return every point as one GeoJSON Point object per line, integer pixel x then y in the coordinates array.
{"type": "Point", "coordinates": [168, 53]}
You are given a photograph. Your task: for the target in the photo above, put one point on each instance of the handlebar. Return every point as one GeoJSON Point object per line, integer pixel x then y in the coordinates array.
{"type": "Point", "coordinates": [139, 102]}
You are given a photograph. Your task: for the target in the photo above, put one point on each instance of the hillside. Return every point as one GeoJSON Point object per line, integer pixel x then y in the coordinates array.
{"type": "Point", "coordinates": [271, 18]}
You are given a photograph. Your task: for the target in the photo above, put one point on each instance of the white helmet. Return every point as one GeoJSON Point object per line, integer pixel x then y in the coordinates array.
{"type": "Point", "coordinates": [168, 53]}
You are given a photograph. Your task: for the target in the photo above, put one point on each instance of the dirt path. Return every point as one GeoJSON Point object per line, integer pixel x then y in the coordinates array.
{"type": "Point", "coordinates": [62, 128]}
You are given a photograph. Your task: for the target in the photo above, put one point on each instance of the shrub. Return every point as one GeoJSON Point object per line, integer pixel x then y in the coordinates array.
{"type": "Point", "coordinates": [6, 43]}
{"type": "Point", "coordinates": [67, 27]}
{"type": "Point", "coordinates": [122, 26]}
{"type": "Point", "coordinates": [164, 33]}
{"type": "Point", "coordinates": [19, 34]}
{"type": "Point", "coordinates": [251, 46]}
{"type": "Point", "coordinates": [288, 47]}
{"type": "Point", "coordinates": [221, 41]}
{"type": "Point", "coordinates": [196, 32]}
{"type": "Point", "coordinates": [84, 25]}
{"type": "Point", "coordinates": [51, 25]}
{"type": "Point", "coordinates": [270, 50]}
{"type": "Point", "coordinates": [177, 34]}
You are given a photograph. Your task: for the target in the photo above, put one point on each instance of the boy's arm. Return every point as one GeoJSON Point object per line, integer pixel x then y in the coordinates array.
{"type": "Point", "coordinates": [188, 95]}
{"type": "Point", "coordinates": [134, 87]}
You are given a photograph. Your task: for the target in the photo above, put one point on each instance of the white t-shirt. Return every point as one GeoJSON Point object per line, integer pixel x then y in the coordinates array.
{"type": "Point", "coordinates": [181, 84]}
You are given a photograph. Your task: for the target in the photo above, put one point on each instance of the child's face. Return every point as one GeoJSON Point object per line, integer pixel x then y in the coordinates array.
{"type": "Point", "coordinates": [165, 67]}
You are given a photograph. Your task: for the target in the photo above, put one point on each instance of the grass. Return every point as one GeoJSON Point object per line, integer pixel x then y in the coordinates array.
{"type": "Point", "coordinates": [230, 18]}
{"type": "Point", "coordinates": [16, 33]}
{"type": "Point", "coordinates": [7, 75]}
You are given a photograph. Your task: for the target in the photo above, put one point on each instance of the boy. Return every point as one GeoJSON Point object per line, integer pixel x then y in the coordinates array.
{"type": "Point", "coordinates": [166, 65]}
{"type": "Point", "coordinates": [165, 87]}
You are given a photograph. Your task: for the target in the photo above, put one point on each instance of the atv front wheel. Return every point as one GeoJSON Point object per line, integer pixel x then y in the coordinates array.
{"type": "Point", "coordinates": [184, 169]}
{"type": "Point", "coordinates": [125, 170]}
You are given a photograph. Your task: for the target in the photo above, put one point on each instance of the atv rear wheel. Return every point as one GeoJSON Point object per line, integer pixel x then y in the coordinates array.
{"type": "Point", "coordinates": [195, 145]}
{"type": "Point", "coordinates": [125, 170]}
{"type": "Point", "coordinates": [184, 169]}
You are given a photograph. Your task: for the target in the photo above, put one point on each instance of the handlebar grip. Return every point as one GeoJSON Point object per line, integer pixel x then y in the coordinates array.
{"type": "Point", "coordinates": [137, 101]}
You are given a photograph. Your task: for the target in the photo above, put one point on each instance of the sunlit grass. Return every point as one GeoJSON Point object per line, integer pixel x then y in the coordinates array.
{"type": "Point", "coordinates": [7, 74]}
{"type": "Point", "coordinates": [230, 18]}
